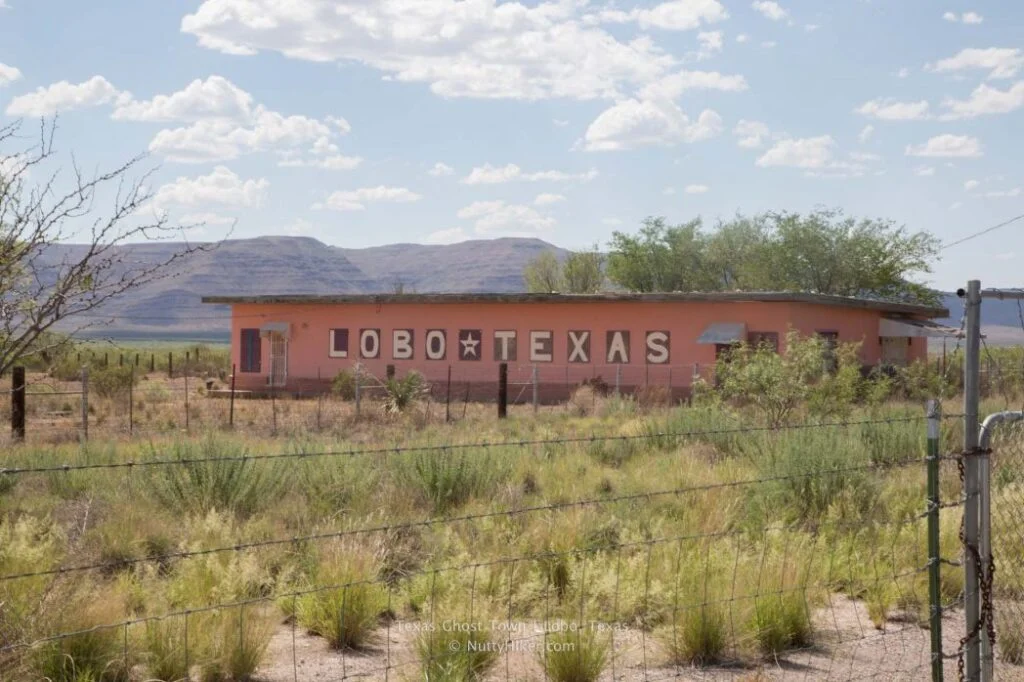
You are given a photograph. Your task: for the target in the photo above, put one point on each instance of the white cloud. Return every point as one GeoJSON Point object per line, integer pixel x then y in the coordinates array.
{"type": "Point", "coordinates": [903, 72]}
{"type": "Point", "coordinates": [207, 218]}
{"type": "Point", "coordinates": [340, 123]}
{"type": "Point", "coordinates": [332, 162]}
{"type": "Point", "coordinates": [65, 96]}
{"type": "Point", "coordinates": [866, 133]}
{"type": "Point", "coordinates": [498, 217]}
{"type": "Point", "coordinates": [986, 100]}
{"type": "Point", "coordinates": [561, 123]}
{"type": "Point", "coordinates": [865, 156]}
{"type": "Point", "coordinates": [480, 49]}
{"type": "Point", "coordinates": [1002, 193]}
{"type": "Point", "coordinates": [696, 189]}
{"type": "Point", "coordinates": [751, 134]}
{"type": "Point", "coordinates": [770, 9]}
{"type": "Point", "coordinates": [356, 200]}
{"type": "Point", "coordinates": [811, 152]}
{"type": "Point", "coordinates": [8, 74]}
{"type": "Point", "coordinates": [971, 184]}
{"type": "Point", "coordinates": [675, 15]}
{"type": "Point", "coordinates": [947, 145]}
{"type": "Point", "coordinates": [216, 97]}
{"type": "Point", "coordinates": [710, 43]}
{"type": "Point", "coordinates": [611, 221]}
{"type": "Point", "coordinates": [634, 123]}
{"type": "Point", "coordinates": [222, 186]}
{"type": "Point", "coordinates": [1000, 62]}
{"type": "Point", "coordinates": [441, 170]}
{"type": "Point", "coordinates": [449, 236]}
{"type": "Point", "coordinates": [548, 199]}
{"type": "Point", "coordinates": [669, 191]}
{"type": "Point", "coordinates": [742, 38]}
{"type": "Point", "coordinates": [955, 205]}
{"type": "Point", "coordinates": [492, 175]}
{"type": "Point", "coordinates": [887, 109]}
{"type": "Point", "coordinates": [673, 85]}
{"type": "Point", "coordinates": [214, 139]}
{"type": "Point", "coordinates": [966, 17]}
{"type": "Point", "coordinates": [924, 171]}
{"type": "Point", "coordinates": [768, 44]}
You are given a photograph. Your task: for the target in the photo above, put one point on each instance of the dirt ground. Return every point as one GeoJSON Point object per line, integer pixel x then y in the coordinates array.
{"type": "Point", "coordinates": [848, 648]}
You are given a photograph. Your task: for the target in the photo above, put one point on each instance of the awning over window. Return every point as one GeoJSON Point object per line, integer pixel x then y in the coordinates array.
{"type": "Point", "coordinates": [275, 327]}
{"type": "Point", "coordinates": [724, 333]}
{"type": "Point", "coordinates": [915, 328]}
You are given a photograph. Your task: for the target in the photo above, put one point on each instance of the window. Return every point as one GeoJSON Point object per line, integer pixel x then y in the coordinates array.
{"type": "Point", "coordinates": [758, 339]}
{"type": "Point", "coordinates": [831, 342]}
{"type": "Point", "coordinates": [250, 351]}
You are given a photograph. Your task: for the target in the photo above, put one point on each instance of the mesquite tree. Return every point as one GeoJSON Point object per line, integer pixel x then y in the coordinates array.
{"type": "Point", "coordinates": [62, 237]}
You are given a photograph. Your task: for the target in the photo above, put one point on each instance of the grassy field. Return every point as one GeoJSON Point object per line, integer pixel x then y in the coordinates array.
{"type": "Point", "coordinates": [602, 539]}
{"type": "Point", "coordinates": [715, 549]}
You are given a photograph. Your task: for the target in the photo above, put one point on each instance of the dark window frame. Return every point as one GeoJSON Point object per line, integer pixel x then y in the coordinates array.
{"type": "Point", "coordinates": [250, 351]}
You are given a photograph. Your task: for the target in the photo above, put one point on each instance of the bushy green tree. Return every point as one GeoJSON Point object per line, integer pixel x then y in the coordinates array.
{"type": "Point", "coordinates": [543, 275]}
{"type": "Point", "coordinates": [582, 272]}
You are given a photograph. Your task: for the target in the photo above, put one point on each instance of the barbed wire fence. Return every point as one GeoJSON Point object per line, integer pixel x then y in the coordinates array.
{"type": "Point", "coordinates": [838, 587]}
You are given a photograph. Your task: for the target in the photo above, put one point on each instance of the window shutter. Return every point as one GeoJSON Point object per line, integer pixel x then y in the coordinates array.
{"type": "Point", "coordinates": [250, 350]}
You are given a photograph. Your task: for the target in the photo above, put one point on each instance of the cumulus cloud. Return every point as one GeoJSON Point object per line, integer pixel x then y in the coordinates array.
{"type": "Point", "coordinates": [971, 184]}
{"type": "Point", "coordinates": [954, 146]}
{"type": "Point", "coordinates": [449, 236]}
{"type": "Point", "coordinates": [673, 85]}
{"type": "Point", "coordinates": [216, 97]}
{"type": "Point", "coordinates": [356, 200]}
{"type": "Point", "coordinates": [480, 49]}
{"type": "Point", "coordinates": [440, 170]}
{"type": "Point", "coordinates": [750, 134]}
{"type": "Point", "coordinates": [636, 123]}
{"type": "Point", "coordinates": [866, 133]}
{"type": "Point", "coordinates": [65, 96]}
{"type": "Point", "coordinates": [8, 74]}
{"type": "Point", "coordinates": [887, 109]}
{"type": "Point", "coordinates": [710, 42]}
{"type": "Point", "coordinates": [924, 171]}
{"type": "Point", "coordinates": [985, 100]}
{"type": "Point", "coordinates": [498, 217]}
{"type": "Point", "coordinates": [492, 175]}
{"type": "Point", "coordinates": [1000, 62]}
{"type": "Point", "coordinates": [770, 10]}
{"type": "Point", "coordinates": [811, 152]}
{"type": "Point", "coordinates": [966, 17]}
{"type": "Point", "coordinates": [696, 189]}
{"type": "Point", "coordinates": [547, 199]}
{"type": "Point", "coordinates": [221, 187]}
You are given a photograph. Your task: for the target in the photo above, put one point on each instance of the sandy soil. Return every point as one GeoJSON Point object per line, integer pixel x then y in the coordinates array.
{"type": "Point", "coordinates": [848, 647]}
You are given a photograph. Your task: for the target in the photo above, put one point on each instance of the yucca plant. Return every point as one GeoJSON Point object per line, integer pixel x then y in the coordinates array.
{"type": "Point", "coordinates": [401, 394]}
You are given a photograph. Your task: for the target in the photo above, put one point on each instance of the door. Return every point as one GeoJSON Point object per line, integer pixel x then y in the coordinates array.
{"type": "Point", "coordinates": [278, 359]}
{"type": "Point", "coordinates": [894, 351]}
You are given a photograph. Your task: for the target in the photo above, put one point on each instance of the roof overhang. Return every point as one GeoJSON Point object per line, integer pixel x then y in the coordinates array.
{"type": "Point", "coordinates": [275, 328]}
{"type": "Point", "coordinates": [915, 328]}
{"type": "Point", "coordinates": [724, 333]}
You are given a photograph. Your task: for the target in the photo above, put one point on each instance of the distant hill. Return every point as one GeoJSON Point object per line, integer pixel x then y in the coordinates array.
{"type": "Point", "coordinates": [170, 308]}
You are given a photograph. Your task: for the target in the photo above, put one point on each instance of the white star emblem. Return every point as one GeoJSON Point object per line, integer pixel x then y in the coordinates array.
{"type": "Point", "coordinates": [469, 346]}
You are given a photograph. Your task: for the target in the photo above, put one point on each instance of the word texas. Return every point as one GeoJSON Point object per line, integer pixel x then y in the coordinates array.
{"type": "Point", "coordinates": [504, 345]}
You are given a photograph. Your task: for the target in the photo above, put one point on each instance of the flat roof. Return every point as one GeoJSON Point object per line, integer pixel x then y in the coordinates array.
{"type": "Point", "coordinates": [672, 297]}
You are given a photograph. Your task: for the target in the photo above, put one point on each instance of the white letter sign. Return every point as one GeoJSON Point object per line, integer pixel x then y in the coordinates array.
{"type": "Point", "coordinates": [540, 346]}
{"type": "Point", "coordinates": [437, 344]}
{"type": "Point", "coordinates": [369, 343]}
{"type": "Point", "coordinates": [657, 348]}
{"type": "Point", "coordinates": [401, 344]}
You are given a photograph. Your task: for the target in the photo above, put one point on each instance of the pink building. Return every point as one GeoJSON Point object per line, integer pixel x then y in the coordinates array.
{"type": "Point", "coordinates": [298, 343]}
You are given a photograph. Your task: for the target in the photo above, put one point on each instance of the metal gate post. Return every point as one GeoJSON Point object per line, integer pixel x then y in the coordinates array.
{"type": "Point", "coordinates": [934, 550]}
{"type": "Point", "coordinates": [972, 366]}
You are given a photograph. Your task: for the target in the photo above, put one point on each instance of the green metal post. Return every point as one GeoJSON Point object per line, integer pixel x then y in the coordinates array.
{"type": "Point", "coordinates": [934, 562]}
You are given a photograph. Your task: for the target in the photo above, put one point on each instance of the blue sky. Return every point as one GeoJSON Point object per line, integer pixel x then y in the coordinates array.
{"type": "Point", "coordinates": [362, 123]}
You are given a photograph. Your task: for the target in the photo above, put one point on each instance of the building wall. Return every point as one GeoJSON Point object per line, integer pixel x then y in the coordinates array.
{"type": "Point", "coordinates": [682, 322]}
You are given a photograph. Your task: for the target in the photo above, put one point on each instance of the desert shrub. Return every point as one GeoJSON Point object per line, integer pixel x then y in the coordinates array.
{"type": "Point", "coordinates": [448, 479]}
{"type": "Point", "coordinates": [343, 384]}
{"type": "Point", "coordinates": [238, 641]}
{"type": "Point", "coordinates": [699, 636]}
{"type": "Point", "coordinates": [164, 642]}
{"type": "Point", "coordinates": [213, 475]}
{"type": "Point", "coordinates": [348, 615]}
{"type": "Point", "coordinates": [401, 394]}
{"type": "Point", "coordinates": [1009, 638]}
{"type": "Point", "coordinates": [460, 655]}
{"type": "Point", "coordinates": [583, 401]}
{"type": "Point", "coordinates": [648, 397]}
{"type": "Point", "coordinates": [113, 381]}
{"type": "Point", "coordinates": [574, 655]}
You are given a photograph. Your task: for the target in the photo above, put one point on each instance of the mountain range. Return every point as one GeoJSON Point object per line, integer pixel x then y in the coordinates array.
{"type": "Point", "coordinates": [170, 308]}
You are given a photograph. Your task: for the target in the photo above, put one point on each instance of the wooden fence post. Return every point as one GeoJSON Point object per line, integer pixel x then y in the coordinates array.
{"type": "Point", "coordinates": [170, 364]}
{"type": "Point", "coordinates": [85, 403]}
{"type": "Point", "coordinates": [131, 401]}
{"type": "Point", "coordinates": [188, 423]}
{"type": "Point", "coordinates": [503, 390]}
{"type": "Point", "coordinates": [152, 362]}
{"type": "Point", "coordinates": [18, 404]}
{"type": "Point", "coordinates": [390, 371]}
{"type": "Point", "coordinates": [448, 397]}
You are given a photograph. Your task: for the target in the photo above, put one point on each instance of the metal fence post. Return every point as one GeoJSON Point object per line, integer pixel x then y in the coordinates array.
{"type": "Point", "coordinates": [934, 551]}
{"type": "Point", "coordinates": [536, 389]}
{"type": "Point", "coordinates": [448, 397]}
{"type": "Point", "coordinates": [231, 399]}
{"type": "Point", "coordinates": [358, 390]}
{"type": "Point", "coordinates": [85, 403]}
{"type": "Point", "coordinates": [131, 400]}
{"type": "Point", "coordinates": [972, 367]}
{"type": "Point", "coordinates": [618, 380]}
{"type": "Point", "coordinates": [188, 423]}
{"type": "Point", "coordinates": [18, 403]}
